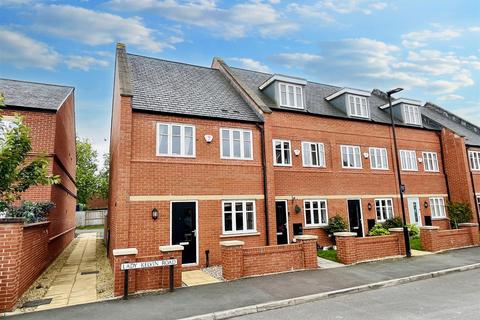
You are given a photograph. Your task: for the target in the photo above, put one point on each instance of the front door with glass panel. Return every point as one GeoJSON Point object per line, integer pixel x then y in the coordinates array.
{"type": "Point", "coordinates": [414, 211]}
{"type": "Point", "coordinates": [184, 229]}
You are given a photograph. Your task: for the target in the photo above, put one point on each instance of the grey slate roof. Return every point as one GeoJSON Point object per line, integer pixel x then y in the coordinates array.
{"type": "Point", "coordinates": [315, 102]}
{"type": "Point", "coordinates": [178, 88]}
{"type": "Point", "coordinates": [33, 95]}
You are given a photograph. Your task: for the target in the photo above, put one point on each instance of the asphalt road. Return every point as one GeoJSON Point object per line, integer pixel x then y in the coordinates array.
{"type": "Point", "coordinates": [454, 296]}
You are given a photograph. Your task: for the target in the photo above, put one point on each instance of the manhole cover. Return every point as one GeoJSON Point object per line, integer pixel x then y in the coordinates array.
{"type": "Point", "coordinates": [36, 303]}
{"type": "Point", "coordinates": [88, 272]}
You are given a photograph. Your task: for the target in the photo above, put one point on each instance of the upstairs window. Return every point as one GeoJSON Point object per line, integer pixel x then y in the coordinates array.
{"type": "Point", "coordinates": [313, 154]}
{"type": "Point", "coordinates": [384, 209]}
{"type": "Point", "coordinates": [236, 144]}
{"type": "Point", "coordinates": [411, 114]}
{"type": "Point", "coordinates": [351, 157]}
{"type": "Point", "coordinates": [358, 106]}
{"type": "Point", "coordinates": [378, 158]}
{"type": "Point", "coordinates": [474, 160]}
{"type": "Point", "coordinates": [5, 126]}
{"type": "Point", "coordinates": [291, 96]}
{"type": "Point", "coordinates": [316, 213]}
{"type": "Point", "coordinates": [408, 159]}
{"type": "Point", "coordinates": [175, 140]}
{"type": "Point", "coordinates": [430, 161]}
{"type": "Point", "coordinates": [437, 207]}
{"type": "Point", "coordinates": [282, 153]}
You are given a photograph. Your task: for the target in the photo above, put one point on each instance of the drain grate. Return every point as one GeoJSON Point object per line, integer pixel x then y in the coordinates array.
{"type": "Point", "coordinates": [36, 303]}
{"type": "Point", "coordinates": [88, 272]}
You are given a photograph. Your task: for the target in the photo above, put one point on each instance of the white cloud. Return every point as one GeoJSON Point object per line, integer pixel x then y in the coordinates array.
{"type": "Point", "coordinates": [236, 21]}
{"type": "Point", "coordinates": [469, 113]}
{"type": "Point", "coordinates": [84, 63]}
{"type": "Point", "coordinates": [296, 59]}
{"type": "Point", "coordinates": [21, 51]}
{"type": "Point", "coordinates": [421, 38]}
{"type": "Point", "coordinates": [250, 64]}
{"type": "Point", "coordinates": [350, 6]}
{"type": "Point", "coordinates": [311, 12]}
{"type": "Point", "coordinates": [14, 3]}
{"type": "Point", "coordinates": [450, 97]}
{"type": "Point", "coordinates": [96, 28]}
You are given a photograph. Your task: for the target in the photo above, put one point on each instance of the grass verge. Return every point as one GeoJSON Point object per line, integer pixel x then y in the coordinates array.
{"type": "Point", "coordinates": [100, 226]}
{"type": "Point", "coordinates": [329, 254]}
{"type": "Point", "coordinates": [415, 244]}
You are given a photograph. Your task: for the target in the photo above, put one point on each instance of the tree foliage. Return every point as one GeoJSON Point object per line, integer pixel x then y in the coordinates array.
{"type": "Point", "coordinates": [103, 177]}
{"type": "Point", "coordinates": [18, 172]}
{"type": "Point", "coordinates": [86, 171]}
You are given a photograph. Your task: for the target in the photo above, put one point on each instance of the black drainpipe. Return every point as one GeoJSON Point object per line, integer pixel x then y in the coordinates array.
{"type": "Point", "coordinates": [265, 189]}
{"type": "Point", "coordinates": [443, 165]}
{"type": "Point", "coordinates": [477, 209]}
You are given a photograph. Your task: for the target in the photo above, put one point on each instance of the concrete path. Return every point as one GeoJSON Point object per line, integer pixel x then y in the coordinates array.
{"type": "Point", "coordinates": [197, 278]}
{"type": "Point", "coordinates": [328, 264]}
{"type": "Point", "coordinates": [70, 286]}
{"type": "Point", "coordinates": [205, 299]}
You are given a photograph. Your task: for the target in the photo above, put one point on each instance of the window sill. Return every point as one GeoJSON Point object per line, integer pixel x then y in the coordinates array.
{"type": "Point", "coordinates": [315, 227]}
{"type": "Point", "coordinates": [440, 218]}
{"type": "Point", "coordinates": [234, 235]}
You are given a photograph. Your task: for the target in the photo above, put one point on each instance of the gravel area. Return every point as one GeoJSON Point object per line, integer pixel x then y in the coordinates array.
{"type": "Point", "coordinates": [214, 271]}
{"type": "Point", "coordinates": [105, 274]}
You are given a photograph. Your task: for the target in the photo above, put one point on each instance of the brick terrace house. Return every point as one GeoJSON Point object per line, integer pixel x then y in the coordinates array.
{"type": "Point", "coordinates": [223, 153]}
{"type": "Point", "coordinates": [49, 111]}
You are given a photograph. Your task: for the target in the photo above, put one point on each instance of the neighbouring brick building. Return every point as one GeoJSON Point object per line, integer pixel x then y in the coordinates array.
{"type": "Point", "coordinates": [49, 111]}
{"type": "Point", "coordinates": [223, 153]}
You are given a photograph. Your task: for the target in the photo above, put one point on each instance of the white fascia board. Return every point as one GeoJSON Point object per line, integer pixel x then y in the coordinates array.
{"type": "Point", "coordinates": [348, 90]}
{"type": "Point", "coordinates": [402, 100]}
{"type": "Point", "coordinates": [279, 77]}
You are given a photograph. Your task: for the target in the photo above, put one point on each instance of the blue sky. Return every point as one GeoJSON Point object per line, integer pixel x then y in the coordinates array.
{"type": "Point", "coordinates": [431, 48]}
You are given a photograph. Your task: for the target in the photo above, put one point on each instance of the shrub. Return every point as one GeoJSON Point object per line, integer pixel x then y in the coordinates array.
{"type": "Point", "coordinates": [31, 211]}
{"type": "Point", "coordinates": [413, 231]}
{"type": "Point", "coordinates": [459, 212]}
{"type": "Point", "coordinates": [336, 224]}
{"type": "Point", "coordinates": [379, 230]}
{"type": "Point", "coordinates": [393, 223]}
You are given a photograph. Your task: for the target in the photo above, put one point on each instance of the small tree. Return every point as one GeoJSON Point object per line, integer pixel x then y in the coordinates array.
{"type": "Point", "coordinates": [459, 212]}
{"type": "Point", "coordinates": [17, 172]}
{"type": "Point", "coordinates": [87, 180]}
{"type": "Point", "coordinates": [103, 177]}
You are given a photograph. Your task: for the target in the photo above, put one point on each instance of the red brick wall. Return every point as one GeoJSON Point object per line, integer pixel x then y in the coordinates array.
{"type": "Point", "coordinates": [437, 240]}
{"type": "Point", "coordinates": [238, 262]}
{"type": "Point", "coordinates": [352, 250]}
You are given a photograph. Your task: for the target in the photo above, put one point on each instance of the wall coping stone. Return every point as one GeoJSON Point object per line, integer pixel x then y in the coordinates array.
{"type": "Point", "coordinates": [306, 237]}
{"type": "Point", "coordinates": [125, 251]}
{"type": "Point", "coordinates": [171, 248]}
{"type": "Point", "coordinates": [395, 229]}
{"type": "Point", "coordinates": [468, 224]}
{"type": "Point", "coordinates": [37, 224]}
{"type": "Point", "coordinates": [345, 234]}
{"type": "Point", "coordinates": [232, 243]}
{"type": "Point", "coordinates": [429, 228]}
{"type": "Point", "coordinates": [11, 220]}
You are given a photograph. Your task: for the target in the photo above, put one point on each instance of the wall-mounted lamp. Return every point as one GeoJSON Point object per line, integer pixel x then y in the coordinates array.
{"type": "Point", "coordinates": [154, 214]}
{"type": "Point", "coordinates": [369, 206]}
{"type": "Point", "coordinates": [425, 204]}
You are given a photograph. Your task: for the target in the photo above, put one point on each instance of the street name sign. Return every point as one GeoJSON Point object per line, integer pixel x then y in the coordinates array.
{"type": "Point", "coordinates": [148, 264]}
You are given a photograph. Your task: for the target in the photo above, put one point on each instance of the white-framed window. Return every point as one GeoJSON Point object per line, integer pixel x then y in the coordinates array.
{"type": "Point", "coordinates": [175, 140]}
{"type": "Point", "coordinates": [313, 154]}
{"type": "Point", "coordinates": [236, 144]}
{"type": "Point", "coordinates": [351, 157]}
{"type": "Point", "coordinates": [358, 106]}
{"type": "Point", "coordinates": [411, 114]}
{"type": "Point", "coordinates": [316, 213]}
{"type": "Point", "coordinates": [239, 216]}
{"type": "Point", "coordinates": [291, 95]}
{"type": "Point", "coordinates": [5, 126]}
{"type": "Point", "coordinates": [384, 208]}
{"type": "Point", "coordinates": [378, 158]}
{"type": "Point", "coordinates": [474, 157]}
{"type": "Point", "coordinates": [408, 160]}
{"type": "Point", "coordinates": [478, 202]}
{"type": "Point", "coordinates": [437, 207]}
{"type": "Point", "coordinates": [282, 153]}
{"type": "Point", "coordinates": [430, 161]}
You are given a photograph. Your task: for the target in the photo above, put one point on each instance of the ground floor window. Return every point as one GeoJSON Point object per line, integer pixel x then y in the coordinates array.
{"type": "Point", "coordinates": [437, 207]}
{"type": "Point", "coordinates": [384, 209]}
{"type": "Point", "coordinates": [316, 213]}
{"type": "Point", "coordinates": [239, 217]}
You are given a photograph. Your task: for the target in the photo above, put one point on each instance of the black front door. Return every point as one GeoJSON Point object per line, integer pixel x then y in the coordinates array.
{"type": "Point", "coordinates": [355, 217]}
{"type": "Point", "coordinates": [282, 230]}
{"type": "Point", "coordinates": [184, 229]}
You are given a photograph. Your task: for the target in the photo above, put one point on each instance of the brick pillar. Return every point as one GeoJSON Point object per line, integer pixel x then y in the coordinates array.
{"type": "Point", "coordinates": [473, 230]}
{"type": "Point", "coordinates": [398, 232]}
{"type": "Point", "coordinates": [346, 247]}
{"type": "Point", "coordinates": [122, 256]}
{"type": "Point", "coordinates": [172, 252]}
{"type": "Point", "coordinates": [232, 259]}
{"type": "Point", "coordinates": [428, 238]}
{"type": "Point", "coordinates": [309, 247]}
{"type": "Point", "coordinates": [11, 235]}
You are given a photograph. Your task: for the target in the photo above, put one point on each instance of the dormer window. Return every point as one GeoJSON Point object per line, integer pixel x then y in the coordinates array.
{"type": "Point", "coordinates": [358, 106]}
{"type": "Point", "coordinates": [411, 114]}
{"type": "Point", "coordinates": [291, 95]}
